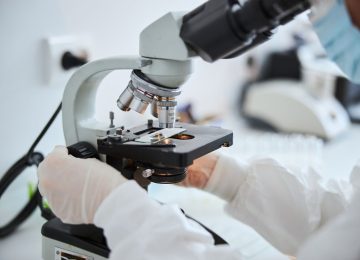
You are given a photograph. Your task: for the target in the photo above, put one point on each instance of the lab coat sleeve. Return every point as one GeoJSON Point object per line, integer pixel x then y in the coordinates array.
{"type": "Point", "coordinates": [341, 238]}
{"type": "Point", "coordinates": [137, 227]}
{"type": "Point", "coordinates": [284, 206]}
{"type": "Point", "coordinates": [338, 240]}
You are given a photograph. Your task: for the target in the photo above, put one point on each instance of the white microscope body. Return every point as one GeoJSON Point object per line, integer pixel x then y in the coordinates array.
{"type": "Point", "coordinates": [165, 62]}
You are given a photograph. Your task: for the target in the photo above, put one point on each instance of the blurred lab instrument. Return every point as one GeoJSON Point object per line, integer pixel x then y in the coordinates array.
{"type": "Point", "coordinates": [348, 93]}
{"type": "Point", "coordinates": [298, 101]}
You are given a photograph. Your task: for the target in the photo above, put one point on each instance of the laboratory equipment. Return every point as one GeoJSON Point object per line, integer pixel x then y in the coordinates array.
{"type": "Point", "coordinates": [158, 151]}
{"type": "Point", "coordinates": [348, 94]}
{"type": "Point", "coordinates": [218, 29]}
{"type": "Point", "coordinates": [287, 107]}
{"type": "Point", "coordinates": [311, 97]}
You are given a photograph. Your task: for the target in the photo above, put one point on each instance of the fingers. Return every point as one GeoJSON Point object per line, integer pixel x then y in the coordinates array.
{"type": "Point", "coordinates": [50, 167]}
{"type": "Point", "coordinates": [199, 173]}
{"type": "Point", "coordinates": [55, 158]}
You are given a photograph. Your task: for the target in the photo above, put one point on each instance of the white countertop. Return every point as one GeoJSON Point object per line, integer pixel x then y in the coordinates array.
{"type": "Point", "coordinates": [339, 156]}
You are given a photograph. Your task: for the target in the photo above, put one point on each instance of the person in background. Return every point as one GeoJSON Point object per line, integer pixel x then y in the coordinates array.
{"type": "Point", "coordinates": [296, 211]}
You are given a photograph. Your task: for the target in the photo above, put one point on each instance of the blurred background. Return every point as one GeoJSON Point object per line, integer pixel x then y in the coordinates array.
{"type": "Point", "coordinates": [35, 33]}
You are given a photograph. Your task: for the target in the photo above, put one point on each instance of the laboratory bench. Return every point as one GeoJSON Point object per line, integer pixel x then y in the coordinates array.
{"type": "Point", "coordinates": [338, 156]}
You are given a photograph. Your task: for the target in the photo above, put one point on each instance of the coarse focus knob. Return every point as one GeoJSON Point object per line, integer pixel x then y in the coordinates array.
{"type": "Point", "coordinates": [83, 150]}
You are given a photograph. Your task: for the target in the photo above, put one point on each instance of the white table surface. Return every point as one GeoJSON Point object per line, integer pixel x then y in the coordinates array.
{"type": "Point", "coordinates": [340, 155]}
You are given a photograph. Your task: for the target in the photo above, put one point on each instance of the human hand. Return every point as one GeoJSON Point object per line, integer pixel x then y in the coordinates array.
{"type": "Point", "coordinates": [200, 172]}
{"type": "Point", "coordinates": [74, 187]}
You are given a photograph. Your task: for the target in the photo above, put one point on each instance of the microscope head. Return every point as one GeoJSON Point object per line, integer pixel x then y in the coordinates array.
{"type": "Point", "coordinates": [158, 84]}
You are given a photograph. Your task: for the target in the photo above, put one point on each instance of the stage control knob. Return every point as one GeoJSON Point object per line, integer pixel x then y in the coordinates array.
{"type": "Point", "coordinates": [83, 150]}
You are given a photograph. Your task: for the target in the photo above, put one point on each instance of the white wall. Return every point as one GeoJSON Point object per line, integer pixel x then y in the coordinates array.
{"type": "Point", "coordinates": [26, 102]}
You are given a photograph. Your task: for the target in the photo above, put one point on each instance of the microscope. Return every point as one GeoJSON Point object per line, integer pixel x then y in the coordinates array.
{"type": "Point", "coordinates": [158, 151]}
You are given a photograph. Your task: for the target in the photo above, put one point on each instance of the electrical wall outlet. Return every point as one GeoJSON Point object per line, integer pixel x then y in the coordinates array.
{"type": "Point", "coordinates": [55, 48]}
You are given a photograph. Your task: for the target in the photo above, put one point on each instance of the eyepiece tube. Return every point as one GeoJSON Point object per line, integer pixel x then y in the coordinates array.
{"type": "Point", "coordinates": [226, 28]}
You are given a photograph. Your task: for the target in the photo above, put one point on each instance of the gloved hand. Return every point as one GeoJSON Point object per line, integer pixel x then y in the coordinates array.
{"type": "Point", "coordinates": [74, 187]}
{"type": "Point", "coordinates": [215, 174]}
{"type": "Point", "coordinates": [200, 172]}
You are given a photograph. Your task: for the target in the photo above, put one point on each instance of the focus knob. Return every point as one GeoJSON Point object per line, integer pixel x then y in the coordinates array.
{"type": "Point", "coordinates": [83, 150]}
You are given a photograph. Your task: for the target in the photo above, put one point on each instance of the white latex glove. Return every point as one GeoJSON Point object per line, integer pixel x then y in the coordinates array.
{"type": "Point", "coordinates": [74, 187]}
{"type": "Point", "coordinates": [200, 171]}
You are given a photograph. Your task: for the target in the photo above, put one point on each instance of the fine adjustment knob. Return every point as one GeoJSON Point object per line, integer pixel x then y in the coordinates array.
{"type": "Point", "coordinates": [83, 150]}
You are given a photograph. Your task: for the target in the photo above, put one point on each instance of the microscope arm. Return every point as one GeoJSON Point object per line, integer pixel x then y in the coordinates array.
{"type": "Point", "coordinates": [78, 110]}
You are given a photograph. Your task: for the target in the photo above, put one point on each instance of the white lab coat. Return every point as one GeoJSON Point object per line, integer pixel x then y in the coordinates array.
{"type": "Point", "coordinates": [293, 209]}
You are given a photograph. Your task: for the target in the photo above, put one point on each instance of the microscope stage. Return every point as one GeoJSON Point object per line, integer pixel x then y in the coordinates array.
{"type": "Point", "coordinates": [180, 148]}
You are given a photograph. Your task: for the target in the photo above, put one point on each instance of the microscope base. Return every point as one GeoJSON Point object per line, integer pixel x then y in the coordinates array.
{"type": "Point", "coordinates": [56, 250]}
{"type": "Point", "coordinates": [58, 244]}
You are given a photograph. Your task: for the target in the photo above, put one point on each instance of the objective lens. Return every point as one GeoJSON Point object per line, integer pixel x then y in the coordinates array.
{"type": "Point", "coordinates": [134, 99]}
{"type": "Point", "coordinates": [125, 98]}
{"type": "Point", "coordinates": [165, 110]}
{"type": "Point", "coordinates": [140, 93]}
